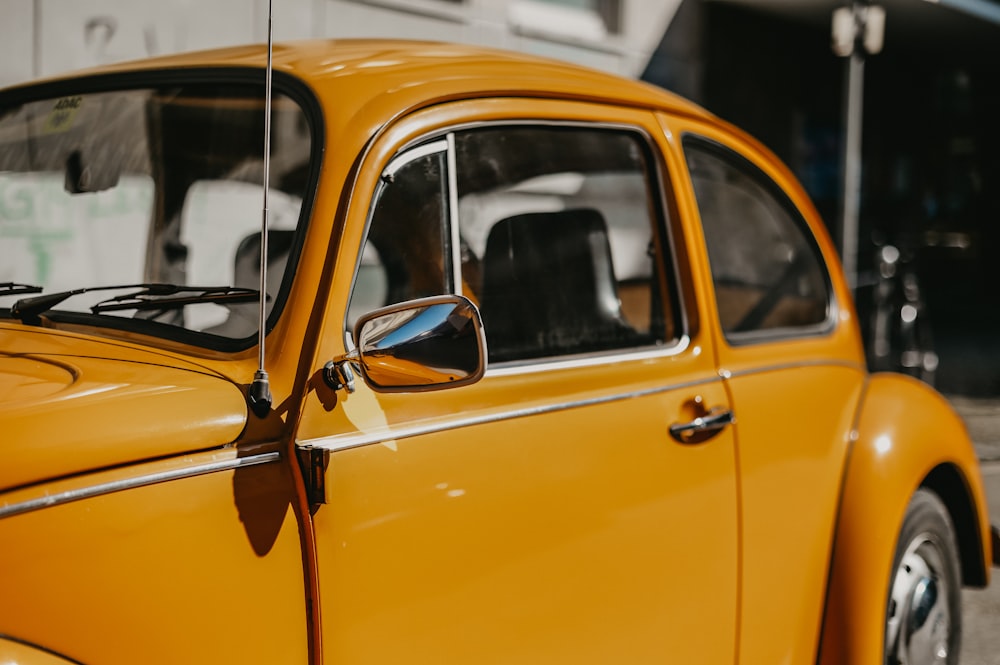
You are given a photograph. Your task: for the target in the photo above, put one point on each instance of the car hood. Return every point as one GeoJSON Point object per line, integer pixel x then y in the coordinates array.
{"type": "Point", "coordinates": [71, 403]}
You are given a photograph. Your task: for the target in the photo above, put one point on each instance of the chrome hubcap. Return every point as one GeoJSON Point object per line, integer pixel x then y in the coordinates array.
{"type": "Point", "coordinates": [919, 622]}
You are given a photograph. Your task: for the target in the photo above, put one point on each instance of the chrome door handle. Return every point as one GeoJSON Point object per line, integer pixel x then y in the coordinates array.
{"type": "Point", "coordinates": [702, 428]}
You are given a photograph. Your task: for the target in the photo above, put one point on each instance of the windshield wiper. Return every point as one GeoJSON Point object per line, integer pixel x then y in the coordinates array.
{"type": "Point", "coordinates": [156, 298]}
{"type": "Point", "coordinates": [151, 296]}
{"type": "Point", "coordinates": [14, 288]}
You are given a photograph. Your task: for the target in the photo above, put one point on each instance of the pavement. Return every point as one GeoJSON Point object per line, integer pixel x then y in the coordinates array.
{"type": "Point", "coordinates": [981, 607]}
{"type": "Point", "coordinates": [982, 418]}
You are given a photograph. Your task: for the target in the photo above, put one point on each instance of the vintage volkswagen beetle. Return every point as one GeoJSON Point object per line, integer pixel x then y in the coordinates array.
{"type": "Point", "coordinates": [659, 439]}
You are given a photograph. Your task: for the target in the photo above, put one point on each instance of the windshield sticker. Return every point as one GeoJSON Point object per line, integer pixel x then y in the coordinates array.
{"type": "Point", "coordinates": [61, 117]}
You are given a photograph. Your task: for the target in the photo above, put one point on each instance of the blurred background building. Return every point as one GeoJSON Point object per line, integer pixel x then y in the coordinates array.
{"type": "Point", "coordinates": [930, 164]}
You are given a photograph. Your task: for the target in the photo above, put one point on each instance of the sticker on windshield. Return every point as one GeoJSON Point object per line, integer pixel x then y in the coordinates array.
{"type": "Point", "coordinates": [61, 117]}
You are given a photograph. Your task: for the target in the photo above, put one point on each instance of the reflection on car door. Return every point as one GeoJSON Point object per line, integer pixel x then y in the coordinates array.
{"type": "Point", "coordinates": [544, 514]}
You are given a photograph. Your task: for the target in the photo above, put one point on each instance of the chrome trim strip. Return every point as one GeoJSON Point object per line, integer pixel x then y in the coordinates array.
{"type": "Point", "coordinates": [453, 222]}
{"type": "Point", "coordinates": [828, 362]}
{"type": "Point", "coordinates": [69, 496]}
{"type": "Point", "coordinates": [629, 354]}
{"type": "Point", "coordinates": [359, 439]}
{"type": "Point", "coordinates": [755, 337]}
{"type": "Point", "coordinates": [405, 158]}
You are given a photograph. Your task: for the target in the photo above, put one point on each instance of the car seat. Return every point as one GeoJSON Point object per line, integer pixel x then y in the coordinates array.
{"type": "Point", "coordinates": [549, 287]}
{"type": "Point", "coordinates": [244, 317]}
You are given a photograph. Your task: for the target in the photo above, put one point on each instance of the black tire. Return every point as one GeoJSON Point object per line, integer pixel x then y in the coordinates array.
{"type": "Point", "coordinates": [924, 602]}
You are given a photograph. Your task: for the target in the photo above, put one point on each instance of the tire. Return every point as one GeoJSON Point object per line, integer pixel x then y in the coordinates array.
{"type": "Point", "coordinates": [924, 605]}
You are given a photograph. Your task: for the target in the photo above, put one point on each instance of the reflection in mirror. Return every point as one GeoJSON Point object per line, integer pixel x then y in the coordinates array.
{"type": "Point", "coordinates": [426, 344]}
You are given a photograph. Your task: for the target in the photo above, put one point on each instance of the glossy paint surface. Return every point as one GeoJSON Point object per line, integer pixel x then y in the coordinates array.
{"type": "Point", "coordinates": [17, 653]}
{"type": "Point", "coordinates": [903, 432]}
{"type": "Point", "coordinates": [200, 569]}
{"type": "Point", "coordinates": [73, 404]}
{"type": "Point", "coordinates": [573, 534]}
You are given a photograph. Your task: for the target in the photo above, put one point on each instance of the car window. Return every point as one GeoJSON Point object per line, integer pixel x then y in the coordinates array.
{"type": "Point", "coordinates": [553, 233]}
{"type": "Point", "coordinates": [165, 185]}
{"type": "Point", "coordinates": [405, 254]}
{"type": "Point", "coordinates": [766, 269]}
{"type": "Point", "coordinates": [558, 232]}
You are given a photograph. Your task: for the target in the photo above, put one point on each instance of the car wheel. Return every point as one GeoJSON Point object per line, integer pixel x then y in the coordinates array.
{"type": "Point", "coordinates": [923, 615]}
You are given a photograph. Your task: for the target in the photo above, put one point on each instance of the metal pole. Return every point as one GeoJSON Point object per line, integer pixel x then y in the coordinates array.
{"type": "Point", "coordinates": [853, 115]}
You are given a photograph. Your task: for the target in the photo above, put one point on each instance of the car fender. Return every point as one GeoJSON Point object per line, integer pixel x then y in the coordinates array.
{"type": "Point", "coordinates": [906, 436]}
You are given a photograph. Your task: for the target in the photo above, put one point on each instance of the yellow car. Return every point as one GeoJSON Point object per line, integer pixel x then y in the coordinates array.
{"type": "Point", "coordinates": [556, 367]}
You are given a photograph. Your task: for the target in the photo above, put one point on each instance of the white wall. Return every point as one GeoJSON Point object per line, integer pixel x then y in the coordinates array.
{"type": "Point", "coordinates": [44, 37]}
{"type": "Point", "coordinates": [17, 27]}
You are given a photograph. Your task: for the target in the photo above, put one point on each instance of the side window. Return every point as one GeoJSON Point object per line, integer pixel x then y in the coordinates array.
{"type": "Point", "coordinates": [767, 271]}
{"type": "Point", "coordinates": [406, 253]}
{"type": "Point", "coordinates": [559, 242]}
{"type": "Point", "coordinates": [557, 238]}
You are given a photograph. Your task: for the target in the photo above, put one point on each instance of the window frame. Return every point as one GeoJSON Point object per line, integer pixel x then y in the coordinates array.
{"type": "Point", "coordinates": [410, 153]}
{"type": "Point", "coordinates": [660, 213]}
{"type": "Point", "coordinates": [738, 160]}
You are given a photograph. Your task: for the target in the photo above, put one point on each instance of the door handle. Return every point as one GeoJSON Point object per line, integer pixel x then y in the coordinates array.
{"type": "Point", "coordinates": [704, 427]}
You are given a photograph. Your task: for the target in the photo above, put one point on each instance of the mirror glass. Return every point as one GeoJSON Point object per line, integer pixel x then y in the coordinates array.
{"type": "Point", "coordinates": [425, 344]}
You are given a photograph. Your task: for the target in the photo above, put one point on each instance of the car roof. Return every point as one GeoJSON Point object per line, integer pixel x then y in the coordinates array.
{"type": "Point", "coordinates": [414, 73]}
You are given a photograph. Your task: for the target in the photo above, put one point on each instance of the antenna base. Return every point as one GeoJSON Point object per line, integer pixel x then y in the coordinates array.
{"type": "Point", "coordinates": [259, 394]}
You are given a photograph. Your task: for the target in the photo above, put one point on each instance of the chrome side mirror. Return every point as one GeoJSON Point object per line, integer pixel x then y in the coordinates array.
{"type": "Point", "coordinates": [420, 345]}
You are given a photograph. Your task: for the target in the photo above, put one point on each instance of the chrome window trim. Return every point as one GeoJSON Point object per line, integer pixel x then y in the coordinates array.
{"type": "Point", "coordinates": [658, 178]}
{"type": "Point", "coordinates": [142, 480]}
{"type": "Point", "coordinates": [411, 152]}
{"type": "Point", "coordinates": [533, 365]}
{"type": "Point", "coordinates": [732, 156]}
{"type": "Point", "coordinates": [351, 440]}
{"type": "Point", "coordinates": [785, 333]}
{"type": "Point", "coordinates": [453, 228]}
{"type": "Point", "coordinates": [407, 156]}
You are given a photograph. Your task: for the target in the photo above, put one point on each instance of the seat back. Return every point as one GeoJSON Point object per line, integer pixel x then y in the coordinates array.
{"type": "Point", "coordinates": [549, 287]}
{"type": "Point", "coordinates": [244, 317]}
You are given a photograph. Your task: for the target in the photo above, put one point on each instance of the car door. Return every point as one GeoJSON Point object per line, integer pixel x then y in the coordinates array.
{"type": "Point", "coordinates": [546, 513]}
{"type": "Point", "coordinates": [794, 373]}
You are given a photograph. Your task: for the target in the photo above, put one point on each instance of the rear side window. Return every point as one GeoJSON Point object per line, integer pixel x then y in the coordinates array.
{"type": "Point", "coordinates": [554, 232]}
{"type": "Point", "coordinates": [766, 268]}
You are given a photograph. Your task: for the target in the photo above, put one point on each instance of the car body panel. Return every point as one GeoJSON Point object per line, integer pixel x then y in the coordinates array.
{"type": "Point", "coordinates": [904, 433]}
{"type": "Point", "coordinates": [52, 378]}
{"type": "Point", "coordinates": [792, 446]}
{"type": "Point", "coordinates": [489, 543]}
{"type": "Point", "coordinates": [19, 653]}
{"type": "Point", "coordinates": [203, 565]}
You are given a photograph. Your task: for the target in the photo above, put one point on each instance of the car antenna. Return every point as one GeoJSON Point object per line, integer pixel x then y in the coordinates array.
{"type": "Point", "coordinates": [259, 394]}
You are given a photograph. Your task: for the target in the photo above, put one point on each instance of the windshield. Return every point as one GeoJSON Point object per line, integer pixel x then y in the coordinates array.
{"type": "Point", "coordinates": [158, 185]}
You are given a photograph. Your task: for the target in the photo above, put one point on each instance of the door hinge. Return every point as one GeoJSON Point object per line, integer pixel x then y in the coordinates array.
{"type": "Point", "coordinates": [314, 462]}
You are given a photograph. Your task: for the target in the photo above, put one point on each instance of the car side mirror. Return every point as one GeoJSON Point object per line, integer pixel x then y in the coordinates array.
{"type": "Point", "coordinates": [416, 346]}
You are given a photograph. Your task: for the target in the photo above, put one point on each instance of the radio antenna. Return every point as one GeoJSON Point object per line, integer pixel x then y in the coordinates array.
{"type": "Point", "coordinates": [260, 390]}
